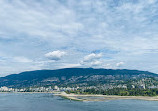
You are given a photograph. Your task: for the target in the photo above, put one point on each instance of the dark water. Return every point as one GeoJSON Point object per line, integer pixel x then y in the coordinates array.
{"type": "Point", "coordinates": [47, 102]}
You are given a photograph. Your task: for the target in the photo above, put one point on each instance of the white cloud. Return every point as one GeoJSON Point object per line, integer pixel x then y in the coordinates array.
{"type": "Point", "coordinates": [119, 64]}
{"type": "Point", "coordinates": [92, 60]}
{"type": "Point", "coordinates": [55, 55]}
{"type": "Point", "coordinates": [107, 66]}
{"type": "Point", "coordinates": [69, 65]}
{"type": "Point", "coordinates": [92, 57]}
{"type": "Point", "coordinates": [96, 63]}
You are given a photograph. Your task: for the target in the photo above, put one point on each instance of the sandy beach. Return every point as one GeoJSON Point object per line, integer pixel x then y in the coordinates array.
{"type": "Point", "coordinates": [78, 97]}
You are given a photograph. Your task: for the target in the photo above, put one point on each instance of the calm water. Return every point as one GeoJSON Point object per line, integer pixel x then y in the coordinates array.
{"type": "Point", "coordinates": [47, 102]}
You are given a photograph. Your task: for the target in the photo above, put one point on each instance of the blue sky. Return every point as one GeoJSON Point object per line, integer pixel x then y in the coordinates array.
{"type": "Point", "coordinates": [52, 34]}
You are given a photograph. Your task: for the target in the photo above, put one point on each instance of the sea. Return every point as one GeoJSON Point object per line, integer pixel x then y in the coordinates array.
{"type": "Point", "coordinates": [49, 102]}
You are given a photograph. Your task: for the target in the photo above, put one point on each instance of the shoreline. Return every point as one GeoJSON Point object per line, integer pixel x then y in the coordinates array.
{"type": "Point", "coordinates": [79, 97]}
{"type": "Point", "coordinates": [92, 97]}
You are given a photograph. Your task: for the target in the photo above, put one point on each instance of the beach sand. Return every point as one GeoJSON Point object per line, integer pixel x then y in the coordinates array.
{"type": "Point", "coordinates": [78, 97]}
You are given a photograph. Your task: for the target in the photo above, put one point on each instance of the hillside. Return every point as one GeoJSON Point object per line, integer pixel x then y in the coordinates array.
{"type": "Point", "coordinates": [71, 76]}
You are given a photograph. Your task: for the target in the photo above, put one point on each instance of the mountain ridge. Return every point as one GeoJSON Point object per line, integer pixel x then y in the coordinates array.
{"type": "Point", "coordinates": [55, 76]}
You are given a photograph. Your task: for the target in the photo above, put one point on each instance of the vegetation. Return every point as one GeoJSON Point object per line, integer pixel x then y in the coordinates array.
{"type": "Point", "coordinates": [119, 92]}
{"type": "Point", "coordinates": [72, 76]}
{"type": "Point", "coordinates": [121, 82]}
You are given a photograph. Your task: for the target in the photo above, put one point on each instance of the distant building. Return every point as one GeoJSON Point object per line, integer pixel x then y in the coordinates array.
{"type": "Point", "coordinates": [133, 86]}
{"type": "Point", "coordinates": [56, 88]}
{"type": "Point", "coordinates": [142, 86]}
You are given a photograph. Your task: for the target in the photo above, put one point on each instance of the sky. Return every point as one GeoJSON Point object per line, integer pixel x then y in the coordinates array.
{"type": "Point", "coordinates": [54, 34]}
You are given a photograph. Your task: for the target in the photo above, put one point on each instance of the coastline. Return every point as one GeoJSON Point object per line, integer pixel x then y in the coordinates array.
{"type": "Point", "coordinates": [92, 97]}
{"type": "Point", "coordinates": [79, 97]}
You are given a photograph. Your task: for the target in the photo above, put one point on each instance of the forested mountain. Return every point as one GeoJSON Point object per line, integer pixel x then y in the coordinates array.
{"type": "Point", "coordinates": [71, 76]}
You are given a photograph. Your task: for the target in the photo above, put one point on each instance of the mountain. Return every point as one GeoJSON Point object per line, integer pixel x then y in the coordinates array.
{"type": "Point", "coordinates": [71, 76]}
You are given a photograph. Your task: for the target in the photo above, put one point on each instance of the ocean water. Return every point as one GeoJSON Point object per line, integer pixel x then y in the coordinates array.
{"type": "Point", "coordinates": [48, 102]}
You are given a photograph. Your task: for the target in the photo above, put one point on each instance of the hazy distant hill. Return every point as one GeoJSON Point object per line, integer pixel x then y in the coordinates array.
{"type": "Point", "coordinates": [71, 76]}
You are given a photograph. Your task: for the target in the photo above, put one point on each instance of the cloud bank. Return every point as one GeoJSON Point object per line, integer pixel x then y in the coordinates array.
{"type": "Point", "coordinates": [87, 33]}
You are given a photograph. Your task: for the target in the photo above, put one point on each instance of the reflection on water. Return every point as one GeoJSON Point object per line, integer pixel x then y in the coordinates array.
{"type": "Point", "coordinates": [48, 102]}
